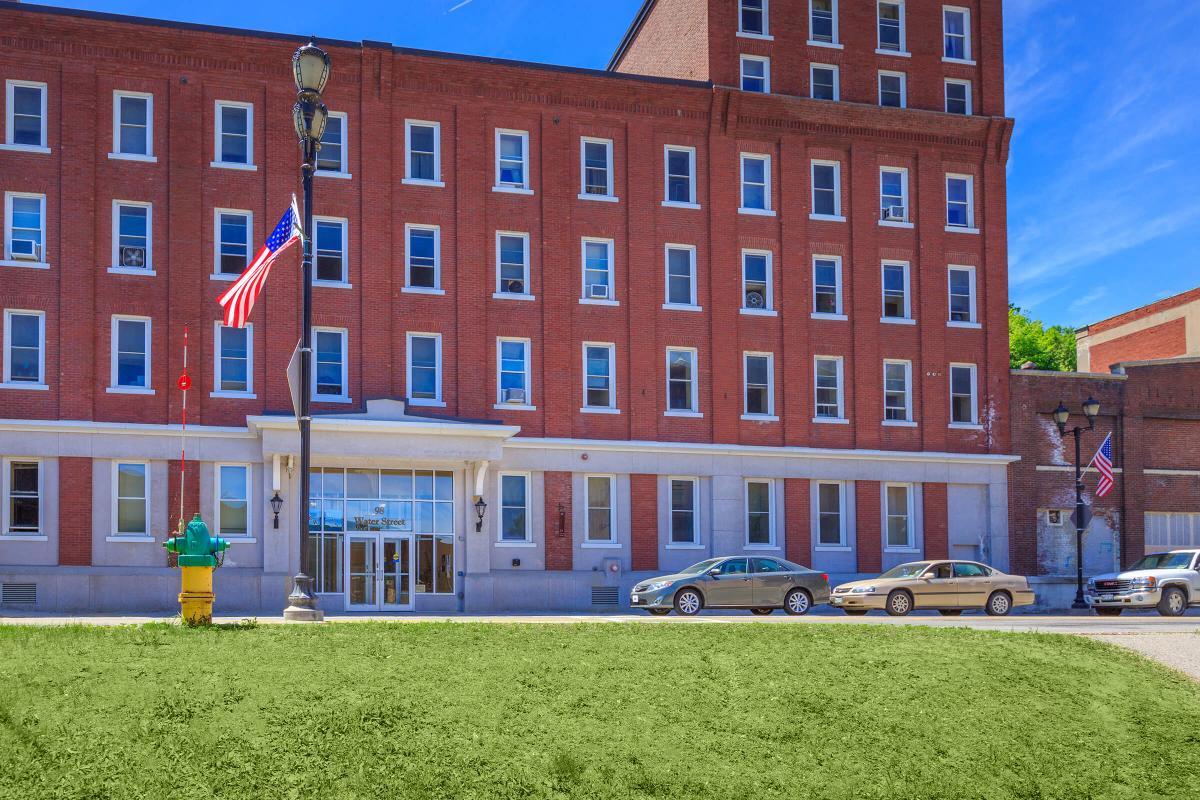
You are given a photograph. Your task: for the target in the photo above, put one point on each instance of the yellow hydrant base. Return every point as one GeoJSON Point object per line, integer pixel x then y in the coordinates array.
{"type": "Point", "coordinates": [196, 597]}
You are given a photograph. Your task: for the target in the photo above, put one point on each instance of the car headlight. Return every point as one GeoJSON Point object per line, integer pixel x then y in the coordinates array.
{"type": "Point", "coordinates": [1091, 584]}
{"type": "Point", "coordinates": [862, 590]}
{"type": "Point", "coordinates": [1148, 582]}
{"type": "Point", "coordinates": [656, 585]}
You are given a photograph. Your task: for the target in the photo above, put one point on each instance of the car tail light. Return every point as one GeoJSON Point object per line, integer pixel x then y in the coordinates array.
{"type": "Point", "coordinates": [825, 577]}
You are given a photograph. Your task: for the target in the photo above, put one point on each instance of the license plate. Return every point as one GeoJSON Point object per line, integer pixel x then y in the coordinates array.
{"type": "Point", "coordinates": [1106, 597]}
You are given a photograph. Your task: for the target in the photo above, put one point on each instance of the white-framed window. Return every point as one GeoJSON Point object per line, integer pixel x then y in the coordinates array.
{"type": "Point", "coordinates": [685, 512]}
{"type": "Point", "coordinates": [331, 257]}
{"type": "Point", "coordinates": [25, 118]}
{"type": "Point", "coordinates": [897, 391]}
{"type": "Point", "coordinates": [24, 348]}
{"type": "Point", "coordinates": [1165, 530]}
{"type": "Point", "coordinates": [681, 276]}
{"type": "Point", "coordinates": [760, 516]}
{"type": "Point", "coordinates": [756, 74]}
{"type": "Point", "coordinates": [231, 249]}
{"type": "Point", "coordinates": [22, 497]}
{"type": "Point", "coordinates": [423, 257]}
{"type": "Point", "coordinates": [752, 18]}
{"type": "Point", "coordinates": [512, 265]}
{"type": "Point", "coordinates": [891, 26]}
{"type": "Point", "coordinates": [234, 519]}
{"type": "Point", "coordinates": [599, 376]}
{"type": "Point", "coordinates": [423, 152]}
{"type": "Point", "coordinates": [827, 285]}
{"type": "Point", "coordinates": [333, 158]}
{"type": "Point", "coordinates": [131, 498]}
{"type": "Point", "coordinates": [827, 372]}
{"type": "Point", "coordinates": [424, 369]}
{"type": "Point", "coordinates": [824, 81]}
{"type": "Point", "coordinates": [512, 523]}
{"type": "Point", "coordinates": [893, 90]}
{"type": "Point", "coordinates": [132, 237]}
{"type": "Point", "coordinates": [597, 258]}
{"type": "Point", "coordinates": [513, 373]}
{"type": "Point", "coordinates": [25, 229]}
{"type": "Point", "coordinates": [823, 22]}
{"type": "Point", "coordinates": [960, 202]}
{"type": "Point", "coordinates": [133, 126]}
{"type": "Point", "coordinates": [898, 511]}
{"type": "Point", "coordinates": [958, 96]}
{"type": "Point", "coordinates": [956, 34]}
{"type": "Point", "coordinates": [758, 385]}
{"type": "Point", "coordinates": [233, 135]}
{"type": "Point", "coordinates": [756, 184]}
{"type": "Point", "coordinates": [831, 515]}
{"type": "Point", "coordinates": [130, 359]}
{"type": "Point", "coordinates": [679, 176]}
{"type": "Point", "coordinates": [893, 196]}
{"type": "Point", "coordinates": [897, 304]}
{"type": "Point", "coordinates": [234, 357]}
{"type": "Point", "coordinates": [595, 169]}
{"type": "Point", "coordinates": [682, 391]}
{"type": "Point", "coordinates": [601, 524]}
{"type": "Point", "coordinates": [827, 190]}
{"type": "Point", "coordinates": [512, 161]}
{"type": "Point", "coordinates": [331, 373]}
{"type": "Point", "coordinates": [757, 293]}
{"type": "Point", "coordinates": [964, 395]}
{"type": "Point", "coordinates": [961, 282]}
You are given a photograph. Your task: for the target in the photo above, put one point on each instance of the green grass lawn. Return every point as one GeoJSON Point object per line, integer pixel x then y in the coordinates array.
{"type": "Point", "coordinates": [450, 710]}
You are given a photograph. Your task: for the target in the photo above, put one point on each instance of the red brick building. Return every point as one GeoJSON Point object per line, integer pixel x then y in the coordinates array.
{"type": "Point", "coordinates": [743, 292]}
{"type": "Point", "coordinates": [1168, 328]}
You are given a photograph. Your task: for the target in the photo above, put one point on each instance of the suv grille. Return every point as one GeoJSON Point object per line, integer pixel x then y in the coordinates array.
{"type": "Point", "coordinates": [1113, 586]}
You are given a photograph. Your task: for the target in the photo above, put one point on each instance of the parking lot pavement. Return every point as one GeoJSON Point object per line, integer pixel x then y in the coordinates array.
{"type": "Point", "coordinates": [1179, 651]}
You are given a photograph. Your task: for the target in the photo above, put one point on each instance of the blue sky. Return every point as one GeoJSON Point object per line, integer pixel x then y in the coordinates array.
{"type": "Point", "coordinates": [1103, 209]}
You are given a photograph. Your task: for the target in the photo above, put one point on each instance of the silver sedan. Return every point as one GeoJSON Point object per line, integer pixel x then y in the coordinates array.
{"type": "Point", "coordinates": [761, 584]}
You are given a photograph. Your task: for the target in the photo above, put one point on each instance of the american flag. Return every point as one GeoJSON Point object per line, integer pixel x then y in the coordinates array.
{"type": "Point", "coordinates": [238, 301]}
{"type": "Point", "coordinates": [1102, 461]}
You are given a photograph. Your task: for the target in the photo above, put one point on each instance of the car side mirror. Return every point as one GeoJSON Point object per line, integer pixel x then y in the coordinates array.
{"type": "Point", "coordinates": [714, 572]}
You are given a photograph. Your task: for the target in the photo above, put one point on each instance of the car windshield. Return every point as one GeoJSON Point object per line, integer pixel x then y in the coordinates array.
{"type": "Point", "coordinates": [1164, 561]}
{"type": "Point", "coordinates": [703, 566]}
{"type": "Point", "coordinates": [907, 570]}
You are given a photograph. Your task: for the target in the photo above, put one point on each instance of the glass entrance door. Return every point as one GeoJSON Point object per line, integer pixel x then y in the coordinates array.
{"type": "Point", "coordinates": [396, 568]}
{"type": "Point", "coordinates": [362, 590]}
{"type": "Point", "coordinates": [378, 572]}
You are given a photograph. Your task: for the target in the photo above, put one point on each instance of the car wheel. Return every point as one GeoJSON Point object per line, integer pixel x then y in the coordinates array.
{"type": "Point", "coordinates": [899, 603]}
{"type": "Point", "coordinates": [688, 602]}
{"type": "Point", "coordinates": [762, 612]}
{"type": "Point", "coordinates": [1173, 602]}
{"type": "Point", "coordinates": [855, 612]}
{"type": "Point", "coordinates": [950, 612]}
{"type": "Point", "coordinates": [797, 602]}
{"type": "Point", "coordinates": [998, 605]}
{"type": "Point", "coordinates": [1108, 611]}
{"type": "Point", "coordinates": [659, 612]}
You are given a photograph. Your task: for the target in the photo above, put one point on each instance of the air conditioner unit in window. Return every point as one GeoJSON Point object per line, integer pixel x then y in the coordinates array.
{"type": "Point", "coordinates": [597, 291]}
{"type": "Point", "coordinates": [133, 257]}
{"type": "Point", "coordinates": [514, 396]}
{"type": "Point", "coordinates": [25, 250]}
{"type": "Point", "coordinates": [894, 213]}
{"type": "Point", "coordinates": [755, 300]}
{"type": "Point", "coordinates": [514, 286]}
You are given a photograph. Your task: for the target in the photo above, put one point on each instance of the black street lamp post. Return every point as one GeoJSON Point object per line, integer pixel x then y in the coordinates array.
{"type": "Point", "coordinates": [1091, 409]}
{"type": "Point", "coordinates": [310, 65]}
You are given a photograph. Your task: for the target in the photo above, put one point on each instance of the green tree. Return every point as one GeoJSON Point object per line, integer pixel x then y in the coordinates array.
{"type": "Point", "coordinates": [1029, 339]}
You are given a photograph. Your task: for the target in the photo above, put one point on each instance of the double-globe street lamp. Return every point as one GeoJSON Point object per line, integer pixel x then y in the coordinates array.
{"type": "Point", "coordinates": [1091, 409]}
{"type": "Point", "coordinates": [310, 66]}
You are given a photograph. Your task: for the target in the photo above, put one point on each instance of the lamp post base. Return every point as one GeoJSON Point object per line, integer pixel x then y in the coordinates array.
{"type": "Point", "coordinates": [302, 604]}
{"type": "Point", "coordinates": [1079, 604]}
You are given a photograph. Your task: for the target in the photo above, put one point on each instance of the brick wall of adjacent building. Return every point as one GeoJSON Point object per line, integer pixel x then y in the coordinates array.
{"type": "Point", "coordinates": [1167, 328]}
{"type": "Point", "coordinates": [1168, 340]}
{"type": "Point", "coordinates": [669, 38]}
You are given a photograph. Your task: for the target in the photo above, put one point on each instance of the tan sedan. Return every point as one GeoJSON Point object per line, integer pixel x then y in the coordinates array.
{"type": "Point", "coordinates": [948, 586]}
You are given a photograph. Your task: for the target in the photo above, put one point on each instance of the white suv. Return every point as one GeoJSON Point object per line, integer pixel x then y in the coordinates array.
{"type": "Point", "coordinates": [1167, 581]}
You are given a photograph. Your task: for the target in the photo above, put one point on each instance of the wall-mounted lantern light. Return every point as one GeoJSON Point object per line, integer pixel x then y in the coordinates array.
{"type": "Point", "coordinates": [276, 507]}
{"type": "Point", "coordinates": [480, 510]}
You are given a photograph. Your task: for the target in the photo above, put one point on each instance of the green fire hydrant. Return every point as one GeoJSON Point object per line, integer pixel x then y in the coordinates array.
{"type": "Point", "coordinates": [197, 551]}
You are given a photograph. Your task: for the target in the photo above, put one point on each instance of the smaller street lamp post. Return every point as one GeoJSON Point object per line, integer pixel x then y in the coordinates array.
{"type": "Point", "coordinates": [1091, 409]}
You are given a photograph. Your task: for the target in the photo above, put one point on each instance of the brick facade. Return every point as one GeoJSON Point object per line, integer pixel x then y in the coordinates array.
{"type": "Point", "coordinates": [557, 488]}
{"type": "Point", "coordinates": [75, 529]}
{"type": "Point", "coordinates": [643, 491]}
{"type": "Point", "coordinates": [1168, 328]}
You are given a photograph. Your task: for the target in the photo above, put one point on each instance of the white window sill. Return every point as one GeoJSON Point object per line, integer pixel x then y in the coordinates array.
{"type": "Point", "coordinates": [587, 301]}
{"type": "Point", "coordinates": [24, 537]}
{"type": "Point", "coordinates": [827, 217]}
{"type": "Point", "coordinates": [964, 61]}
{"type": "Point", "coordinates": [238, 539]}
{"type": "Point", "coordinates": [37, 387]}
{"type": "Point", "coordinates": [230, 165]}
{"type": "Point", "coordinates": [676, 204]}
{"type": "Point", "coordinates": [683, 546]}
{"type": "Point", "coordinates": [757, 212]}
{"type": "Point", "coordinates": [130, 539]}
{"type": "Point", "coordinates": [830, 45]}
{"type": "Point", "coordinates": [831, 420]}
{"type": "Point", "coordinates": [25, 148]}
{"type": "Point", "coordinates": [513, 190]}
{"type": "Point", "coordinates": [834, 317]}
{"type": "Point", "coordinates": [603, 198]}
{"type": "Point", "coordinates": [12, 262]}
{"type": "Point", "coordinates": [148, 272]}
{"type": "Point", "coordinates": [965, 426]}
{"type": "Point", "coordinates": [234, 395]}
{"type": "Point", "coordinates": [333, 284]}
{"type": "Point", "coordinates": [970, 325]}
{"type": "Point", "coordinates": [762, 547]}
{"type": "Point", "coordinates": [219, 276]}
{"type": "Point", "coordinates": [901, 550]}
{"type": "Point", "coordinates": [424, 402]}
{"type": "Point", "coordinates": [329, 398]}
{"type": "Point", "coordinates": [961, 229]}
{"type": "Point", "coordinates": [129, 390]}
{"type": "Point", "coordinates": [133, 157]}
{"type": "Point", "coordinates": [514, 407]}
{"type": "Point", "coordinates": [759, 312]}
{"type": "Point", "coordinates": [422, 290]}
{"type": "Point", "coordinates": [898, 320]}
{"type": "Point", "coordinates": [899, 423]}
{"type": "Point", "coordinates": [686, 414]}
{"type": "Point", "coordinates": [600, 545]}
{"type": "Point", "coordinates": [889, 223]}
{"type": "Point", "coordinates": [586, 410]}
{"type": "Point", "coordinates": [515, 544]}
{"type": "Point", "coordinates": [830, 548]}
{"type": "Point", "coordinates": [765, 37]}
{"type": "Point", "coordinates": [879, 51]}
{"type": "Point", "coordinates": [760, 418]}
{"type": "Point", "coordinates": [679, 307]}
{"type": "Point", "coordinates": [508, 296]}
{"type": "Point", "coordinates": [423, 182]}
{"type": "Point", "coordinates": [327, 174]}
